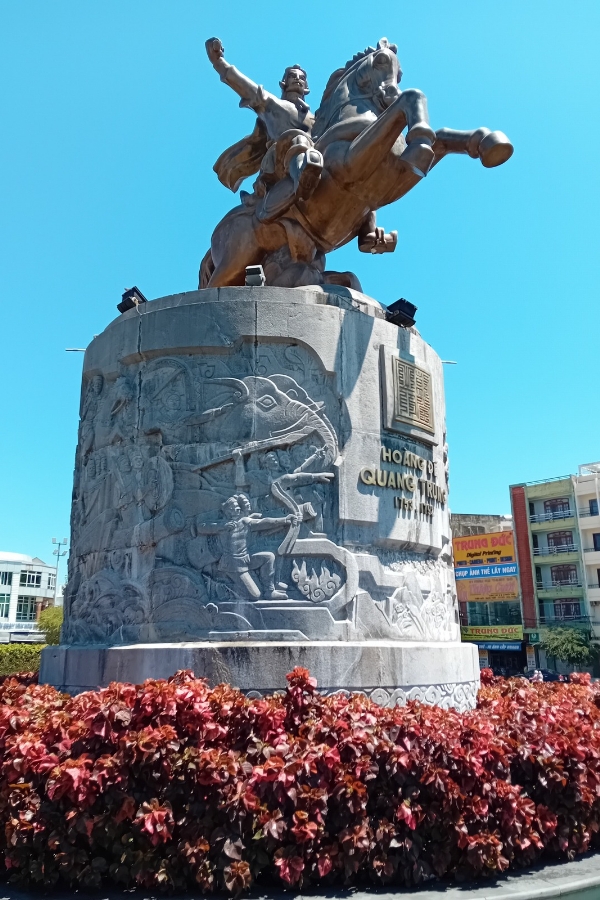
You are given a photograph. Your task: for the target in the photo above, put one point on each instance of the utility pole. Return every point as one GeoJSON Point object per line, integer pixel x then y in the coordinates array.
{"type": "Point", "coordinates": [58, 553]}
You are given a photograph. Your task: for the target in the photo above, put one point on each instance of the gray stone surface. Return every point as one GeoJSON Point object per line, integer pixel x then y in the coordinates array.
{"type": "Point", "coordinates": [262, 465]}
{"type": "Point", "coordinates": [388, 672]}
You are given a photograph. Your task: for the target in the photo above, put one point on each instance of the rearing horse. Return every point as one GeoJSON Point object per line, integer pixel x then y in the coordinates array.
{"type": "Point", "coordinates": [367, 164]}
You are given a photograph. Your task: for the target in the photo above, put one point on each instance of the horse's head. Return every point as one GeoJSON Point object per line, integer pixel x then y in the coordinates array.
{"type": "Point", "coordinates": [368, 83]}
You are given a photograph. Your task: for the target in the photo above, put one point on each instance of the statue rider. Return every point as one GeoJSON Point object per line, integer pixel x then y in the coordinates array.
{"type": "Point", "coordinates": [280, 147]}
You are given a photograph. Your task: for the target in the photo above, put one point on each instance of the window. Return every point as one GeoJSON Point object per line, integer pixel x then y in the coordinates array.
{"type": "Point", "coordinates": [505, 612]}
{"type": "Point", "coordinates": [31, 579]}
{"type": "Point", "coordinates": [26, 607]}
{"type": "Point", "coordinates": [593, 507]}
{"type": "Point", "coordinates": [6, 577]}
{"type": "Point", "coordinates": [51, 581]}
{"type": "Point", "coordinates": [558, 507]}
{"type": "Point", "coordinates": [502, 612]}
{"type": "Point", "coordinates": [538, 576]}
{"type": "Point", "coordinates": [567, 609]}
{"type": "Point", "coordinates": [536, 543]}
{"type": "Point", "coordinates": [596, 541]}
{"type": "Point", "coordinates": [531, 508]}
{"type": "Point", "coordinates": [598, 574]}
{"type": "Point", "coordinates": [477, 614]}
{"type": "Point", "coordinates": [560, 539]}
{"type": "Point", "coordinates": [561, 611]}
{"type": "Point", "coordinates": [4, 604]}
{"type": "Point", "coordinates": [563, 575]}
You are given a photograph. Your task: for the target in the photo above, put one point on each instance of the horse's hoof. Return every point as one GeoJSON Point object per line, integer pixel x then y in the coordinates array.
{"type": "Point", "coordinates": [494, 149]}
{"type": "Point", "coordinates": [419, 157]}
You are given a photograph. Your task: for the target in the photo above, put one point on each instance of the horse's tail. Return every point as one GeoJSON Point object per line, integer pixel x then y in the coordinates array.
{"type": "Point", "coordinates": [207, 267]}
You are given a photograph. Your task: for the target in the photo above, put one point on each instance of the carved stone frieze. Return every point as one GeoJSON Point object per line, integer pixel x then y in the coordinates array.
{"type": "Point", "coordinates": [457, 695]}
{"type": "Point", "coordinates": [216, 490]}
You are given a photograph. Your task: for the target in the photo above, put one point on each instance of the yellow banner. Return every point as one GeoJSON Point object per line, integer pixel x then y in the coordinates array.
{"type": "Point", "coordinates": [492, 632]}
{"type": "Point", "coordinates": [484, 549]}
{"type": "Point", "coordinates": [481, 589]}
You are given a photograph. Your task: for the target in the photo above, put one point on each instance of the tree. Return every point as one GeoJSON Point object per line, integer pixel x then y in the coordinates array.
{"type": "Point", "coordinates": [50, 621]}
{"type": "Point", "coordinates": [568, 644]}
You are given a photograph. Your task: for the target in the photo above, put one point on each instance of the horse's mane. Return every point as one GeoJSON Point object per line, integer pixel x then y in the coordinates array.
{"type": "Point", "coordinates": [336, 77]}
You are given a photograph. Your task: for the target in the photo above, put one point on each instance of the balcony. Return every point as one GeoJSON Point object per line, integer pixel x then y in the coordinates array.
{"type": "Point", "coordinates": [558, 585]}
{"type": "Point", "coordinates": [550, 551]}
{"type": "Point", "coordinates": [586, 514]}
{"type": "Point", "coordinates": [560, 590]}
{"type": "Point", "coordinates": [564, 621]}
{"type": "Point", "coordinates": [551, 516]}
{"type": "Point", "coordinates": [19, 626]}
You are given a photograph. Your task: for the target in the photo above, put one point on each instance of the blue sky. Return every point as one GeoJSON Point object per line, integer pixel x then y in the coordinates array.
{"type": "Point", "coordinates": [112, 118]}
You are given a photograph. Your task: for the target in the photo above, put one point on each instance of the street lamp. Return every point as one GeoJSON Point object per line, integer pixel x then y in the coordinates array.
{"type": "Point", "coordinates": [58, 553]}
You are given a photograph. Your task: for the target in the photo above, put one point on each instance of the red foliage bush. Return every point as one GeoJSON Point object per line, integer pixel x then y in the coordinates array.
{"type": "Point", "coordinates": [580, 678]}
{"type": "Point", "coordinates": [25, 678]}
{"type": "Point", "coordinates": [487, 676]}
{"type": "Point", "coordinates": [172, 784]}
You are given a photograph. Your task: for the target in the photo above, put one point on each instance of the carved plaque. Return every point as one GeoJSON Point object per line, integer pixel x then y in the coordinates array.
{"type": "Point", "coordinates": [413, 402]}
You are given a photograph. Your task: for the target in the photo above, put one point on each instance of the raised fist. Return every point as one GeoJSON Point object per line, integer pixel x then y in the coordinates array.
{"type": "Point", "coordinates": [214, 49]}
{"type": "Point", "coordinates": [378, 241]}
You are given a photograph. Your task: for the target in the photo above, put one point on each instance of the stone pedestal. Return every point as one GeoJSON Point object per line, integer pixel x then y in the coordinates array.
{"type": "Point", "coordinates": [261, 482]}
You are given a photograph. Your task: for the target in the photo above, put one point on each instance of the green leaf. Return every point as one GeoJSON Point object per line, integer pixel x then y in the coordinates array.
{"type": "Point", "coordinates": [567, 644]}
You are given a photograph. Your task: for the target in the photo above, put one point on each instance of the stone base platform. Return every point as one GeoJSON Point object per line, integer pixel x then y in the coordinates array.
{"type": "Point", "coordinates": [389, 672]}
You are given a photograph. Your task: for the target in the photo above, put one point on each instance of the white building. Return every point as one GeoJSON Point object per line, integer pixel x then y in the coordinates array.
{"type": "Point", "coordinates": [586, 485]}
{"type": "Point", "coordinates": [27, 585]}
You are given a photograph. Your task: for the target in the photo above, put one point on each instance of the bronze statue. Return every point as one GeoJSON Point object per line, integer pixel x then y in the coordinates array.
{"type": "Point", "coordinates": [322, 177]}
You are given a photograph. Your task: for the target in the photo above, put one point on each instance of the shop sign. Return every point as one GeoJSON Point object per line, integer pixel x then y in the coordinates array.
{"type": "Point", "coordinates": [491, 632]}
{"type": "Point", "coordinates": [486, 589]}
{"type": "Point", "coordinates": [501, 645]}
{"type": "Point", "coordinates": [484, 549]}
{"type": "Point", "coordinates": [496, 571]}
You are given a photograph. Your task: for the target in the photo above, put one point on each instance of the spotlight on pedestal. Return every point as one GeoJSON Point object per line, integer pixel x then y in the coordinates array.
{"type": "Point", "coordinates": [131, 298]}
{"type": "Point", "coordinates": [401, 313]}
{"type": "Point", "coordinates": [255, 277]}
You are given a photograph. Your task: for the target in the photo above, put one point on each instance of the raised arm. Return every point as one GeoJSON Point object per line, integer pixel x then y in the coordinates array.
{"type": "Point", "coordinates": [372, 239]}
{"type": "Point", "coordinates": [209, 527]}
{"type": "Point", "coordinates": [260, 524]}
{"type": "Point", "coordinates": [252, 94]}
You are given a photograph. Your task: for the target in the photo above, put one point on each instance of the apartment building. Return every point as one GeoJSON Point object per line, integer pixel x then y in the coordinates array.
{"type": "Point", "coordinates": [586, 487]}
{"type": "Point", "coordinates": [27, 585]}
{"type": "Point", "coordinates": [550, 556]}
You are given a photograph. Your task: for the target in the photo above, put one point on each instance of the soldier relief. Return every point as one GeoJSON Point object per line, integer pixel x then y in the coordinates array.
{"type": "Point", "coordinates": [206, 508]}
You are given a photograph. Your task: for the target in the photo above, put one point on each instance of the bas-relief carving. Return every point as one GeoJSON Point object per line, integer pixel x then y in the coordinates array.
{"type": "Point", "coordinates": [461, 695]}
{"type": "Point", "coordinates": [205, 505]}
